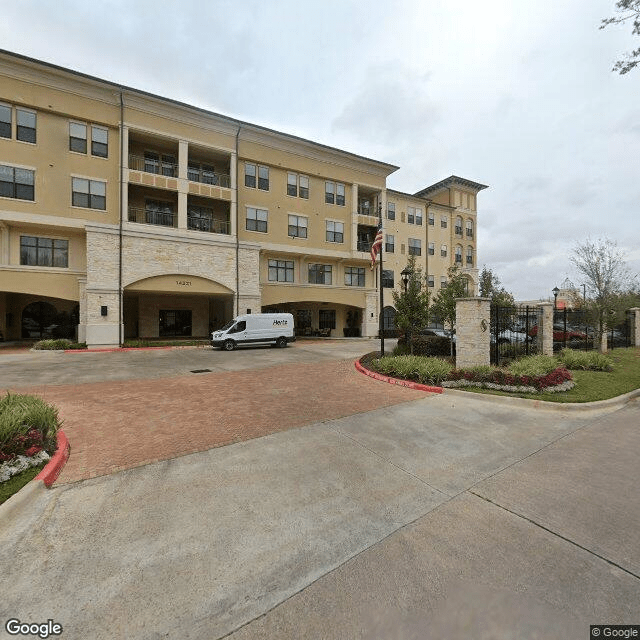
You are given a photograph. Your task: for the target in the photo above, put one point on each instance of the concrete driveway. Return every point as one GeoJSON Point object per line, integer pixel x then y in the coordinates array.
{"type": "Point", "coordinates": [438, 516]}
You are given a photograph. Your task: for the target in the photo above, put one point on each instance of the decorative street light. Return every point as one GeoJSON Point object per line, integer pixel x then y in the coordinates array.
{"type": "Point", "coordinates": [406, 274]}
{"type": "Point", "coordinates": [555, 292]}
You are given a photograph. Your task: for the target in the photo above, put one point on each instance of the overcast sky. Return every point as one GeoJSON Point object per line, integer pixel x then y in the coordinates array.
{"type": "Point", "coordinates": [516, 95]}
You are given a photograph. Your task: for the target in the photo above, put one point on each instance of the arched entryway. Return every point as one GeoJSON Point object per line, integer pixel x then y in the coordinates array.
{"type": "Point", "coordinates": [42, 320]}
{"type": "Point", "coordinates": [389, 321]}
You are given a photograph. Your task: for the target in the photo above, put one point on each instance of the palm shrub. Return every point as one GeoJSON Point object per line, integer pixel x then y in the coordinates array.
{"type": "Point", "coordinates": [27, 425]}
{"type": "Point", "coordinates": [586, 360]}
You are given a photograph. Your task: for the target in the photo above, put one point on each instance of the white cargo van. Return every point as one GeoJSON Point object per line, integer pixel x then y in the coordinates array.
{"type": "Point", "coordinates": [255, 328]}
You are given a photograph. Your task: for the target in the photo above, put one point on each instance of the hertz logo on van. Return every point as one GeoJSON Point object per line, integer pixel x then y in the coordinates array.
{"type": "Point", "coordinates": [280, 323]}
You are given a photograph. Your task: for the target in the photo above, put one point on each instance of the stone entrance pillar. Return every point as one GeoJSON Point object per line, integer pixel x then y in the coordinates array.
{"type": "Point", "coordinates": [635, 326]}
{"type": "Point", "coordinates": [473, 332]}
{"type": "Point", "coordinates": [545, 329]}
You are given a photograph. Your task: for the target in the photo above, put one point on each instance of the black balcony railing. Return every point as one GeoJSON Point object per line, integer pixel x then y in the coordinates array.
{"type": "Point", "coordinates": [150, 216]}
{"type": "Point", "coordinates": [210, 225]}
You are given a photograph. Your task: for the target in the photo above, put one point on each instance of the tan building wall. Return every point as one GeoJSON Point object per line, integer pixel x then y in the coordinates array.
{"type": "Point", "coordinates": [129, 258]}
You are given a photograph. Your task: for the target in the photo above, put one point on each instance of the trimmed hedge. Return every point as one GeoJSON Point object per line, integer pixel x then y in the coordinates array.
{"type": "Point", "coordinates": [430, 346]}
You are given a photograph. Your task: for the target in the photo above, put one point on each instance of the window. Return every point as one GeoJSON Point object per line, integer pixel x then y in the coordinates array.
{"type": "Point", "coordinates": [431, 281]}
{"type": "Point", "coordinates": [320, 273]}
{"type": "Point", "coordinates": [334, 193]}
{"type": "Point", "coordinates": [387, 279]}
{"type": "Point", "coordinates": [327, 319]}
{"type": "Point", "coordinates": [391, 211]}
{"type": "Point", "coordinates": [470, 256]}
{"type": "Point", "coordinates": [100, 143]}
{"type": "Point", "coordinates": [390, 246]}
{"type": "Point", "coordinates": [263, 178]}
{"type": "Point", "coordinates": [335, 231]}
{"type": "Point", "coordinates": [88, 193]}
{"type": "Point", "coordinates": [411, 215]}
{"type": "Point", "coordinates": [257, 219]}
{"type": "Point", "coordinates": [458, 255]}
{"type": "Point", "coordinates": [469, 229]}
{"type": "Point", "coordinates": [432, 248]}
{"type": "Point", "coordinates": [249, 175]}
{"type": "Point", "coordinates": [419, 217]}
{"type": "Point", "coordinates": [443, 251]}
{"type": "Point", "coordinates": [432, 218]}
{"type": "Point", "coordinates": [78, 137]}
{"type": "Point", "coordinates": [443, 281]}
{"type": "Point", "coordinates": [44, 252]}
{"type": "Point", "coordinates": [280, 270]}
{"type": "Point", "coordinates": [415, 247]}
{"type": "Point", "coordinates": [26, 130]}
{"type": "Point", "coordinates": [298, 226]}
{"type": "Point", "coordinates": [443, 222]}
{"type": "Point", "coordinates": [204, 173]}
{"type": "Point", "coordinates": [354, 276]}
{"type": "Point", "coordinates": [5, 121]}
{"type": "Point", "coordinates": [297, 185]}
{"type": "Point", "coordinates": [17, 183]}
{"type": "Point", "coordinates": [458, 226]}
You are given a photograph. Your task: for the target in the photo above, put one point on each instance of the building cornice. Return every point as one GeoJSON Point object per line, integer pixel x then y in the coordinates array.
{"type": "Point", "coordinates": [451, 181]}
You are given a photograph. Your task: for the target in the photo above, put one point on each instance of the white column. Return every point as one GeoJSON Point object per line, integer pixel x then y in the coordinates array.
{"type": "Point", "coordinates": [354, 218]}
{"type": "Point", "coordinates": [125, 173]}
{"type": "Point", "coordinates": [182, 210]}
{"type": "Point", "coordinates": [183, 159]}
{"type": "Point", "coordinates": [4, 243]}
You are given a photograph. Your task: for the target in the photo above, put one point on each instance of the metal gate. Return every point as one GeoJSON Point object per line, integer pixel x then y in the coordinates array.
{"type": "Point", "coordinates": [513, 332]}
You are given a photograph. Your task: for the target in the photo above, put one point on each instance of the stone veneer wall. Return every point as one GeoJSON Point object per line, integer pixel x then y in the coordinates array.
{"type": "Point", "coordinates": [473, 332]}
{"type": "Point", "coordinates": [545, 329]}
{"type": "Point", "coordinates": [635, 327]}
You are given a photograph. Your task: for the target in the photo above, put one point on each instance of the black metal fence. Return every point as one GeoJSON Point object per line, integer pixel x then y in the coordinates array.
{"type": "Point", "coordinates": [513, 332]}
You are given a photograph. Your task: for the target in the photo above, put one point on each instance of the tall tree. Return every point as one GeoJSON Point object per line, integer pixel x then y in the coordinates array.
{"type": "Point", "coordinates": [491, 287]}
{"type": "Point", "coordinates": [628, 10]}
{"type": "Point", "coordinates": [412, 305]}
{"type": "Point", "coordinates": [607, 280]}
{"type": "Point", "coordinates": [444, 304]}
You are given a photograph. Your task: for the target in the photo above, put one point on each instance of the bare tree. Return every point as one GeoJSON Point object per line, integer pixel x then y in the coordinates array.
{"type": "Point", "coordinates": [628, 10]}
{"type": "Point", "coordinates": [607, 279]}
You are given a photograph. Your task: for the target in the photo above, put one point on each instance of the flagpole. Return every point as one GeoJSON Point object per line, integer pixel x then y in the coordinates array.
{"type": "Point", "coordinates": [381, 317]}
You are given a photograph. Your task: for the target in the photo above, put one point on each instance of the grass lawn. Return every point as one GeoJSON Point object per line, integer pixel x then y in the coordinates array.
{"type": "Point", "coordinates": [592, 385]}
{"type": "Point", "coordinates": [15, 483]}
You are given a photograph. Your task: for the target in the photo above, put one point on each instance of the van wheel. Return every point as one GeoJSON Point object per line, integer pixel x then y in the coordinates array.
{"type": "Point", "coordinates": [229, 345]}
{"type": "Point", "coordinates": [281, 342]}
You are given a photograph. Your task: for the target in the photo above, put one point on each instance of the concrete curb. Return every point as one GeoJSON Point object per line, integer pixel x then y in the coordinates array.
{"type": "Point", "coordinates": [53, 468]}
{"type": "Point", "coordinates": [402, 383]}
{"type": "Point", "coordinates": [611, 403]}
{"type": "Point", "coordinates": [22, 498]}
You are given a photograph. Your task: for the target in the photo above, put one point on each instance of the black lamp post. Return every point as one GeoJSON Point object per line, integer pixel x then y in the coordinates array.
{"type": "Point", "coordinates": [406, 274]}
{"type": "Point", "coordinates": [555, 292]}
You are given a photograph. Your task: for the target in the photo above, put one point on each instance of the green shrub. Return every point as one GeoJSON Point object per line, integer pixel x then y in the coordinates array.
{"type": "Point", "coordinates": [417, 368]}
{"type": "Point", "coordinates": [586, 360]}
{"type": "Point", "coordinates": [77, 345]}
{"type": "Point", "coordinates": [401, 349]}
{"type": "Point", "coordinates": [539, 365]}
{"type": "Point", "coordinates": [517, 350]}
{"type": "Point", "coordinates": [26, 423]}
{"type": "Point", "coordinates": [430, 346]}
{"type": "Point", "coordinates": [57, 344]}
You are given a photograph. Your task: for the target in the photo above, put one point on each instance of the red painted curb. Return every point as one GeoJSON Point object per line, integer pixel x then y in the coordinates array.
{"type": "Point", "coordinates": [118, 349]}
{"type": "Point", "coordinates": [402, 383]}
{"type": "Point", "coordinates": [53, 468]}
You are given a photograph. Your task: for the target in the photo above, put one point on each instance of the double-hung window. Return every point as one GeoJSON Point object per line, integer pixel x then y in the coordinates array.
{"type": "Point", "coordinates": [320, 274]}
{"type": "Point", "coordinates": [431, 218]}
{"type": "Point", "coordinates": [432, 248]}
{"type": "Point", "coordinates": [431, 282]}
{"type": "Point", "coordinates": [458, 226]}
{"type": "Point", "coordinates": [469, 229]}
{"type": "Point", "coordinates": [251, 172]}
{"type": "Point", "coordinates": [78, 132]}
{"type": "Point", "coordinates": [391, 210]}
{"type": "Point", "coordinates": [263, 178]}
{"type": "Point", "coordinates": [100, 143]}
{"type": "Point", "coordinates": [443, 251]}
{"type": "Point", "coordinates": [298, 226]}
{"type": "Point", "coordinates": [354, 276]}
{"type": "Point", "coordinates": [44, 252]}
{"type": "Point", "coordinates": [458, 255]}
{"type": "Point", "coordinates": [334, 193]}
{"type": "Point", "coordinates": [280, 270]}
{"type": "Point", "coordinates": [26, 126]}
{"type": "Point", "coordinates": [297, 186]}
{"type": "Point", "coordinates": [335, 231]}
{"type": "Point", "coordinates": [415, 247]}
{"type": "Point", "coordinates": [257, 219]}
{"type": "Point", "coordinates": [5, 121]}
{"type": "Point", "coordinates": [91, 194]}
{"type": "Point", "coordinates": [17, 183]}
{"type": "Point", "coordinates": [411, 215]}
{"type": "Point", "coordinates": [390, 246]}
{"type": "Point", "coordinates": [443, 222]}
{"type": "Point", "coordinates": [419, 217]}
{"type": "Point", "coordinates": [250, 175]}
{"type": "Point", "coordinates": [78, 137]}
{"type": "Point", "coordinates": [470, 256]}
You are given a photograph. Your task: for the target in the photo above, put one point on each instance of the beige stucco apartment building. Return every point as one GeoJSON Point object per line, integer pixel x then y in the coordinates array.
{"type": "Point", "coordinates": [125, 214]}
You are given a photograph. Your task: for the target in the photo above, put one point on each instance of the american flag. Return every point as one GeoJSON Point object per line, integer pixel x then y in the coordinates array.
{"type": "Point", "coordinates": [375, 247]}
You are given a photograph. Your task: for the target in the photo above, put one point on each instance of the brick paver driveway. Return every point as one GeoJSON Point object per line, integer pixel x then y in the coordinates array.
{"type": "Point", "coordinates": [122, 423]}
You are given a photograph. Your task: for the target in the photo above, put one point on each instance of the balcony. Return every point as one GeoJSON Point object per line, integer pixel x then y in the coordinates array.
{"type": "Point", "coordinates": [209, 216]}
{"type": "Point", "coordinates": [366, 236]}
{"type": "Point", "coordinates": [157, 163]}
{"type": "Point", "coordinates": [210, 225]}
{"type": "Point", "coordinates": [158, 217]}
{"type": "Point", "coordinates": [206, 175]}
